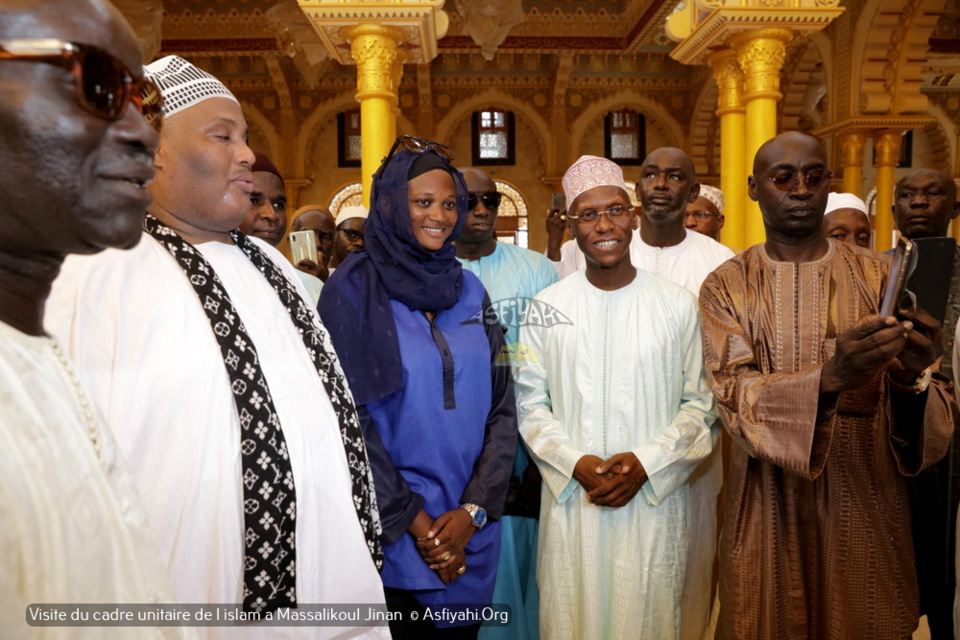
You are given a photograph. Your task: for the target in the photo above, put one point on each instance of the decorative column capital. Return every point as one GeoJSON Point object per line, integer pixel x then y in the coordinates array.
{"type": "Point", "coordinates": [851, 145]}
{"type": "Point", "coordinates": [375, 49]}
{"type": "Point", "coordinates": [422, 23]}
{"type": "Point", "coordinates": [761, 53]}
{"type": "Point", "coordinates": [729, 77]}
{"type": "Point", "coordinates": [886, 143]}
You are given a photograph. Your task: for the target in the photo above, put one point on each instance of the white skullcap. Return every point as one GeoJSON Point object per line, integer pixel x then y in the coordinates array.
{"type": "Point", "coordinates": [844, 201]}
{"type": "Point", "coordinates": [712, 194]}
{"type": "Point", "coordinates": [589, 172]}
{"type": "Point", "coordinates": [346, 213]}
{"type": "Point", "coordinates": [183, 84]}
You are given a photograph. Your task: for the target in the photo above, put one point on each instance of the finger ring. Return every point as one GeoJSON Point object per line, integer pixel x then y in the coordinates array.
{"type": "Point", "coordinates": [436, 542]}
{"type": "Point", "coordinates": [461, 569]}
{"type": "Point", "coordinates": [445, 556]}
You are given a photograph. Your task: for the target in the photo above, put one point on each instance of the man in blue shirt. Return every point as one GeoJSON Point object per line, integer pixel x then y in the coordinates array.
{"type": "Point", "coordinates": [512, 275]}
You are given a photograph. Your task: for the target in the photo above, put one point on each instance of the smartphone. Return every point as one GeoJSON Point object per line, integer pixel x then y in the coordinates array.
{"type": "Point", "coordinates": [903, 261]}
{"type": "Point", "coordinates": [303, 246]}
{"type": "Point", "coordinates": [558, 201]}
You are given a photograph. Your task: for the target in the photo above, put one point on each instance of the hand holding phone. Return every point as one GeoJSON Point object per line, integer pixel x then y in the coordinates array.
{"type": "Point", "coordinates": [903, 263]}
{"type": "Point", "coordinates": [303, 246]}
{"type": "Point", "coordinates": [558, 202]}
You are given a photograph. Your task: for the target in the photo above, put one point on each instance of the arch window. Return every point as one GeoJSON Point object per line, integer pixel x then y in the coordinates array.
{"type": "Point", "coordinates": [625, 137]}
{"type": "Point", "coordinates": [513, 217]}
{"type": "Point", "coordinates": [348, 138]}
{"type": "Point", "coordinates": [492, 137]}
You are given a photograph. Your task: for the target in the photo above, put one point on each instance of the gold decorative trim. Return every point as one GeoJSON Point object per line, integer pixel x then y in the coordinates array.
{"type": "Point", "coordinates": [869, 124]}
{"type": "Point", "coordinates": [423, 24]}
{"type": "Point", "coordinates": [717, 28]}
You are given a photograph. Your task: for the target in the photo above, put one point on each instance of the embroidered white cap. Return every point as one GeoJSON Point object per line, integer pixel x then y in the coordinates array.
{"type": "Point", "coordinates": [712, 194]}
{"type": "Point", "coordinates": [355, 211]}
{"type": "Point", "coordinates": [183, 84]}
{"type": "Point", "coordinates": [589, 172]}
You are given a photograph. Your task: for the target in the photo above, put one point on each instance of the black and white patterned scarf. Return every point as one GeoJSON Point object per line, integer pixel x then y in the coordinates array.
{"type": "Point", "coordinates": [269, 496]}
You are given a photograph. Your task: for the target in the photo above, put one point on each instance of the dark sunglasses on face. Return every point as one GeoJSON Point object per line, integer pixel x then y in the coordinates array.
{"type": "Point", "coordinates": [420, 145]}
{"type": "Point", "coordinates": [490, 199]}
{"type": "Point", "coordinates": [104, 86]}
{"type": "Point", "coordinates": [788, 180]}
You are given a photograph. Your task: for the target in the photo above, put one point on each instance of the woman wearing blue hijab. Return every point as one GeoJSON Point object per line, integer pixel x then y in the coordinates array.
{"type": "Point", "coordinates": [418, 341]}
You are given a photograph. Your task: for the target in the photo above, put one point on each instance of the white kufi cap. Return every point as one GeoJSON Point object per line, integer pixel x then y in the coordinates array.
{"type": "Point", "coordinates": [712, 194]}
{"type": "Point", "coordinates": [184, 84]}
{"type": "Point", "coordinates": [589, 172]}
{"type": "Point", "coordinates": [347, 213]}
{"type": "Point", "coordinates": [844, 201]}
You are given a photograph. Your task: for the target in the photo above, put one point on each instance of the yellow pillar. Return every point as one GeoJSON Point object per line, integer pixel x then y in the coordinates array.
{"type": "Point", "coordinates": [886, 144]}
{"type": "Point", "coordinates": [851, 147]}
{"type": "Point", "coordinates": [379, 68]}
{"type": "Point", "coordinates": [760, 53]}
{"type": "Point", "coordinates": [733, 176]}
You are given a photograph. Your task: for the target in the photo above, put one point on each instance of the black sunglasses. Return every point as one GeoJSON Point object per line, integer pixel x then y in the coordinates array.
{"type": "Point", "coordinates": [788, 180]}
{"type": "Point", "coordinates": [419, 145]}
{"type": "Point", "coordinates": [104, 85]}
{"type": "Point", "coordinates": [490, 199]}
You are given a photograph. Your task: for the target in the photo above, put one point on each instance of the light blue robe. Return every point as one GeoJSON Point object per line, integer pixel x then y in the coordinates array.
{"type": "Point", "coordinates": [512, 276]}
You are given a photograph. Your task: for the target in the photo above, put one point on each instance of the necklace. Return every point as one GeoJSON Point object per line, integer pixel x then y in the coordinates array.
{"type": "Point", "coordinates": [80, 398]}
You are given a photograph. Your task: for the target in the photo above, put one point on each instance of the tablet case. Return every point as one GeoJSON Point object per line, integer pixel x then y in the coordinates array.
{"type": "Point", "coordinates": [930, 280]}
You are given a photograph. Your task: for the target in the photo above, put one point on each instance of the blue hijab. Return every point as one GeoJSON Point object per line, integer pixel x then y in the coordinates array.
{"type": "Point", "coordinates": [355, 301]}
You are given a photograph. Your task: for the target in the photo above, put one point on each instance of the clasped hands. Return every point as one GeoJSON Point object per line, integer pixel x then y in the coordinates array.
{"type": "Point", "coordinates": [443, 546]}
{"type": "Point", "coordinates": [612, 482]}
{"type": "Point", "coordinates": [903, 347]}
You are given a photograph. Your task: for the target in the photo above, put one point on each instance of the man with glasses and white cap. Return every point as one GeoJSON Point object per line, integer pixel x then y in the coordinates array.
{"type": "Point", "coordinates": [829, 406]}
{"type": "Point", "coordinates": [350, 222]}
{"type": "Point", "coordinates": [76, 156]}
{"type": "Point", "coordinates": [616, 411]}
{"type": "Point", "coordinates": [661, 244]}
{"type": "Point", "coordinates": [705, 214]}
{"type": "Point", "coordinates": [511, 275]}
{"type": "Point", "coordinates": [221, 386]}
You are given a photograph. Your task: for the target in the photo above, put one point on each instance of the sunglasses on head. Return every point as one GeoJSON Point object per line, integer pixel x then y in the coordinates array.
{"type": "Point", "coordinates": [490, 199]}
{"type": "Point", "coordinates": [787, 180]}
{"type": "Point", "coordinates": [420, 145]}
{"type": "Point", "coordinates": [104, 85]}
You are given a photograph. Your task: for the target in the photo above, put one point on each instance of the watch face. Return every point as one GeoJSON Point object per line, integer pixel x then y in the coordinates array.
{"type": "Point", "coordinates": [479, 517]}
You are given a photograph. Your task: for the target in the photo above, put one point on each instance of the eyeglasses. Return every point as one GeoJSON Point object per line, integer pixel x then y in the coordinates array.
{"type": "Point", "coordinates": [591, 216]}
{"type": "Point", "coordinates": [104, 85]}
{"type": "Point", "coordinates": [490, 199]}
{"type": "Point", "coordinates": [351, 234]}
{"type": "Point", "coordinates": [788, 180]}
{"type": "Point", "coordinates": [702, 216]}
{"type": "Point", "coordinates": [420, 145]}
